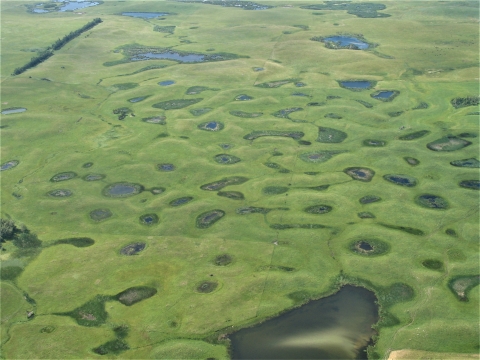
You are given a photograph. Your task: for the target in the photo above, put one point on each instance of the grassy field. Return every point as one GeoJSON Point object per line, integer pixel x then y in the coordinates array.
{"type": "Point", "coordinates": [426, 51]}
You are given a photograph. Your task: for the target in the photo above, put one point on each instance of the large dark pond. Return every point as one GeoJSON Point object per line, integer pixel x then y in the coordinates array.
{"type": "Point", "coordinates": [345, 41]}
{"type": "Point", "coordinates": [335, 327]}
{"type": "Point", "coordinates": [170, 55]}
{"type": "Point", "coordinates": [145, 15]}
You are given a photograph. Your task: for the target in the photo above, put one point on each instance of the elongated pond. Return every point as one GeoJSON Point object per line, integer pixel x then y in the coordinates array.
{"type": "Point", "coordinates": [335, 327]}
{"type": "Point", "coordinates": [145, 15]}
{"type": "Point", "coordinates": [170, 55]}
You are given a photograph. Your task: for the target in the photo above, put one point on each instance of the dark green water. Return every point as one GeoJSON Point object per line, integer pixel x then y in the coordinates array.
{"type": "Point", "coordinates": [335, 327]}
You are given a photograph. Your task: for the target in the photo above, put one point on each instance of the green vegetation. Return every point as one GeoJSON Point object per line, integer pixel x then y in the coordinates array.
{"type": "Point", "coordinates": [245, 114]}
{"type": "Point", "coordinates": [176, 104]}
{"type": "Point", "coordinates": [362, 10]}
{"type": "Point", "coordinates": [135, 294]}
{"type": "Point", "coordinates": [57, 45]}
{"type": "Point", "coordinates": [465, 101]}
{"type": "Point", "coordinates": [188, 212]}
{"type": "Point", "coordinates": [164, 29]}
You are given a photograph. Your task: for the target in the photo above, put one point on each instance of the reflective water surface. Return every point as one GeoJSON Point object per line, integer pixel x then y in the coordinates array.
{"type": "Point", "coordinates": [335, 327]}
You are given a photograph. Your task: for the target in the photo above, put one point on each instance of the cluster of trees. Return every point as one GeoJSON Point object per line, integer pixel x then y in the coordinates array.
{"type": "Point", "coordinates": [465, 101]}
{"type": "Point", "coordinates": [44, 55]}
{"type": "Point", "coordinates": [21, 237]}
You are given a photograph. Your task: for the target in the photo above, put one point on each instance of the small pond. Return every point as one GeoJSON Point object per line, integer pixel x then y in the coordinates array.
{"type": "Point", "coordinates": [345, 41]}
{"type": "Point", "coordinates": [75, 5]}
{"type": "Point", "coordinates": [166, 167]}
{"type": "Point", "coordinates": [122, 189]}
{"type": "Point", "coordinates": [40, 11]}
{"type": "Point", "coordinates": [166, 83]}
{"type": "Point", "coordinates": [335, 327]}
{"type": "Point", "coordinates": [384, 94]}
{"type": "Point", "coordinates": [356, 84]}
{"type": "Point", "coordinates": [13, 111]}
{"type": "Point", "coordinates": [137, 99]}
{"type": "Point", "coordinates": [145, 15]}
{"type": "Point", "coordinates": [243, 97]}
{"type": "Point", "coordinates": [170, 55]}
{"type": "Point", "coordinates": [9, 165]}
{"type": "Point", "coordinates": [211, 126]}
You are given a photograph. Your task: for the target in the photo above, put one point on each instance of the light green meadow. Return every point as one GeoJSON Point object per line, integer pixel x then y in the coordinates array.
{"type": "Point", "coordinates": [427, 51]}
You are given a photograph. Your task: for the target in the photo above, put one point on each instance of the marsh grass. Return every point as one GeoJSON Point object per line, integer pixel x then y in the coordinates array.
{"type": "Point", "coordinates": [69, 122]}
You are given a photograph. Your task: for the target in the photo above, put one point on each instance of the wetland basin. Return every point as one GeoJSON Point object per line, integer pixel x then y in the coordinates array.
{"type": "Point", "coordinates": [170, 55]}
{"type": "Point", "coordinates": [335, 327]}
{"type": "Point", "coordinates": [75, 5]}
{"type": "Point", "coordinates": [346, 41]}
{"type": "Point", "coordinates": [356, 84]}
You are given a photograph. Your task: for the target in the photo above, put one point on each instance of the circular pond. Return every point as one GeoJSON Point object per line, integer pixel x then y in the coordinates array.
{"type": "Point", "coordinates": [223, 260]}
{"type": "Point", "coordinates": [226, 159]}
{"type": "Point", "coordinates": [207, 287]}
{"type": "Point", "coordinates": [122, 189]}
{"type": "Point", "coordinates": [369, 247]}
{"type": "Point", "coordinates": [59, 193]}
{"type": "Point", "coordinates": [411, 161]}
{"type": "Point", "coordinates": [87, 165]}
{"type": "Point", "coordinates": [166, 167]}
{"type": "Point", "coordinates": [9, 165]}
{"type": "Point", "coordinates": [100, 214]}
{"type": "Point", "coordinates": [149, 219]}
{"type": "Point", "coordinates": [431, 201]}
{"type": "Point", "coordinates": [63, 176]}
{"type": "Point", "coordinates": [133, 249]}
{"type": "Point", "coordinates": [211, 126]}
{"type": "Point", "coordinates": [358, 173]}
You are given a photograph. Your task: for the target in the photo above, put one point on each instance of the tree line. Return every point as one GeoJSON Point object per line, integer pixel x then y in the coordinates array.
{"type": "Point", "coordinates": [57, 45]}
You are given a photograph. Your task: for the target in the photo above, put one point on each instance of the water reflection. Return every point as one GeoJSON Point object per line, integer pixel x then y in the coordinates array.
{"type": "Point", "coordinates": [335, 327]}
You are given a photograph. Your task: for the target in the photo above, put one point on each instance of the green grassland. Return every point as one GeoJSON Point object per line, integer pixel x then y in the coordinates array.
{"type": "Point", "coordinates": [427, 51]}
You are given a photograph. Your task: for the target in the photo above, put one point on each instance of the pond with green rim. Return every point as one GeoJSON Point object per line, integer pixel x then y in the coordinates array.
{"type": "Point", "coordinates": [335, 327]}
